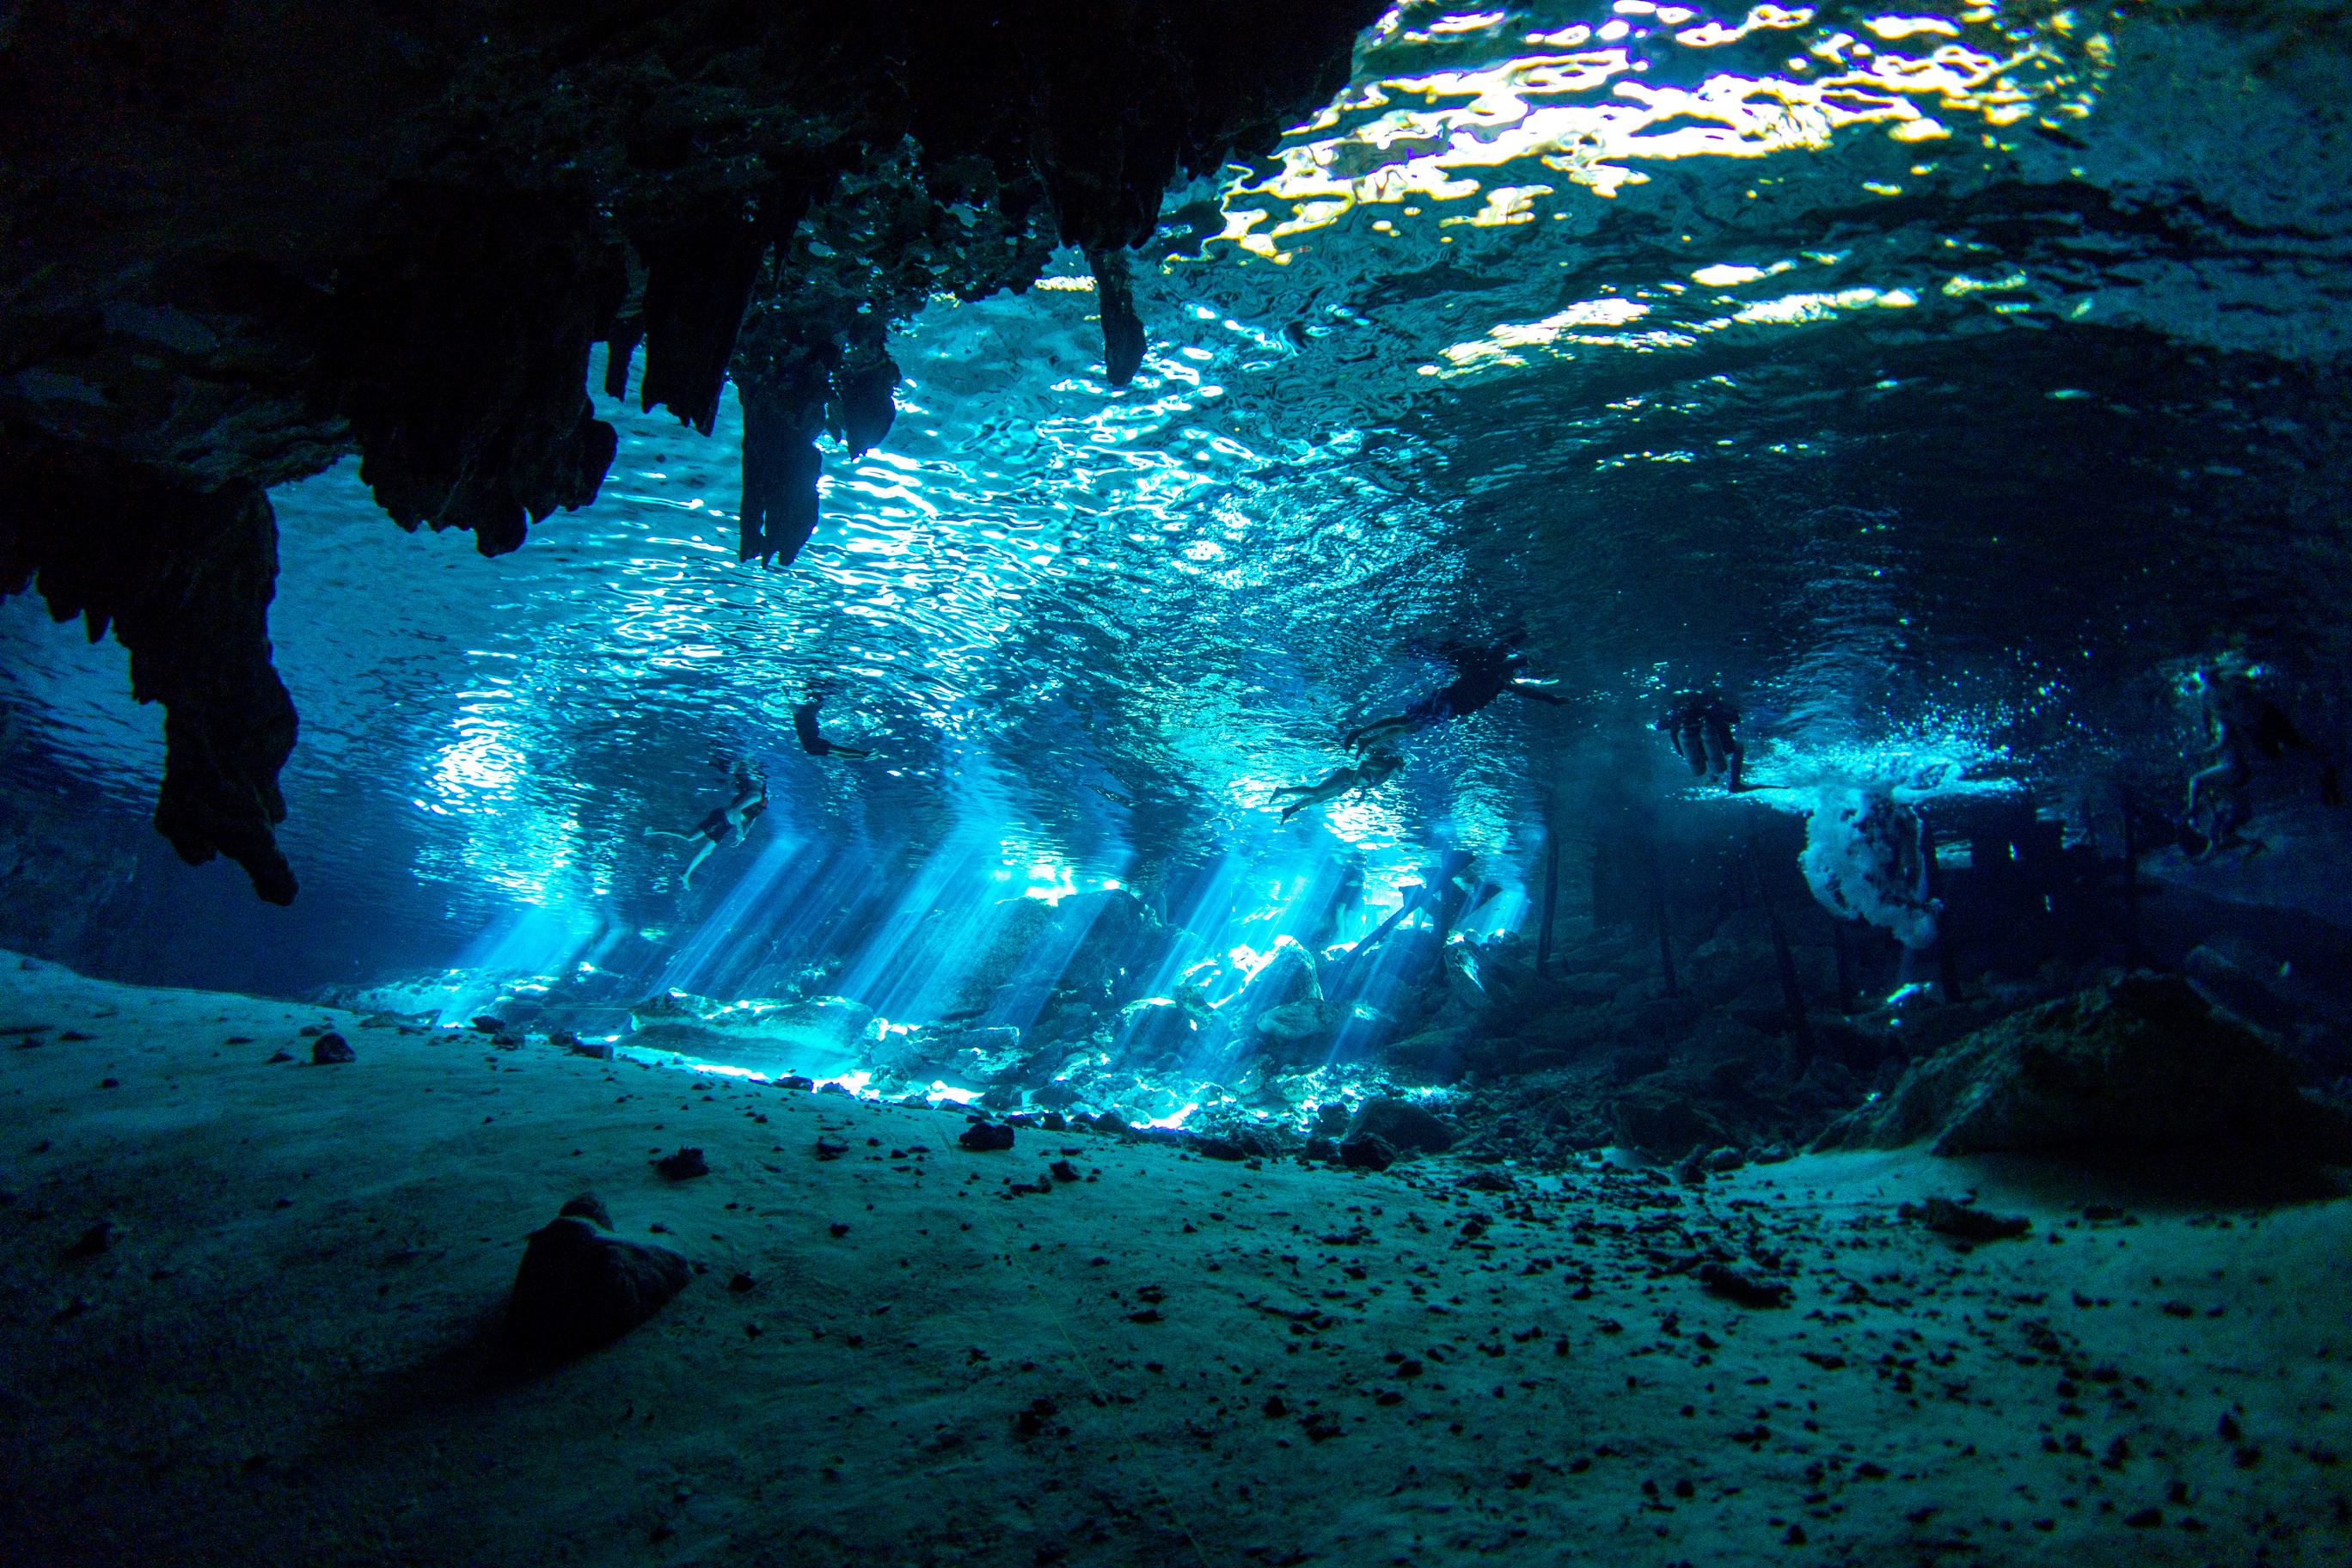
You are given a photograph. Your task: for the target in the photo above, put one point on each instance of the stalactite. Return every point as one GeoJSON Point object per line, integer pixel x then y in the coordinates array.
{"type": "Point", "coordinates": [185, 578]}
{"type": "Point", "coordinates": [1122, 327]}
{"type": "Point", "coordinates": [699, 274]}
{"type": "Point", "coordinates": [784, 410]}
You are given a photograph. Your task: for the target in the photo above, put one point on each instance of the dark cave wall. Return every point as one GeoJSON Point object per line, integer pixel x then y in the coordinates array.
{"type": "Point", "coordinates": [238, 241]}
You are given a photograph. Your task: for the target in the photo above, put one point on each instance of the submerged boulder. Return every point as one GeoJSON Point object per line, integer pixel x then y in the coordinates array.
{"type": "Point", "coordinates": [578, 1287]}
{"type": "Point", "coordinates": [2140, 1065]}
{"type": "Point", "coordinates": [1402, 1125]}
{"type": "Point", "coordinates": [1285, 976]}
{"type": "Point", "coordinates": [1297, 1031]}
{"type": "Point", "coordinates": [1667, 1114]}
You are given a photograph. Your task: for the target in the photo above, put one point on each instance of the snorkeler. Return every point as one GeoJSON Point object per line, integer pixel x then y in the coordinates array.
{"type": "Point", "coordinates": [814, 744]}
{"type": "Point", "coordinates": [1481, 675]}
{"type": "Point", "coordinates": [2241, 724]}
{"type": "Point", "coordinates": [1701, 727]}
{"type": "Point", "coordinates": [1380, 765]}
{"type": "Point", "coordinates": [725, 825]}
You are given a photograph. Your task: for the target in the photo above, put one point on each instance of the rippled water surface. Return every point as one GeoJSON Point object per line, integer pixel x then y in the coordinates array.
{"type": "Point", "coordinates": [1927, 380]}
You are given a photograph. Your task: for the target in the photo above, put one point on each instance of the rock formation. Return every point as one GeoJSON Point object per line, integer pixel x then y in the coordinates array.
{"type": "Point", "coordinates": [578, 1287]}
{"type": "Point", "coordinates": [240, 248]}
{"type": "Point", "coordinates": [2140, 1066]}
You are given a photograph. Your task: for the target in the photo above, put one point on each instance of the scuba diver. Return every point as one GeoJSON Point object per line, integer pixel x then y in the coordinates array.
{"type": "Point", "coordinates": [814, 744]}
{"type": "Point", "coordinates": [1481, 675]}
{"type": "Point", "coordinates": [1701, 727]}
{"type": "Point", "coordinates": [1380, 765]}
{"type": "Point", "coordinates": [725, 825]}
{"type": "Point", "coordinates": [2241, 724]}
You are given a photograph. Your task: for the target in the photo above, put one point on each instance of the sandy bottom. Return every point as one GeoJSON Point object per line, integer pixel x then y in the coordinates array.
{"type": "Point", "coordinates": [283, 1354]}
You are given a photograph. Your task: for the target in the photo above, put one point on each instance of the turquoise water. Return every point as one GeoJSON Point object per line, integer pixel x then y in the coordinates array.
{"type": "Point", "coordinates": [1937, 382]}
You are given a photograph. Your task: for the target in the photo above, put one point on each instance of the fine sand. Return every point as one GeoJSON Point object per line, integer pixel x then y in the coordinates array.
{"type": "Point", "coordinates": [284, 1352]}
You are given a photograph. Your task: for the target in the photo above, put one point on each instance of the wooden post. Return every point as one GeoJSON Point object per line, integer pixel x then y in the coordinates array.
{"type": "Point", "coordinates": [1551, 900]}
{"type": "Point", "coordinates": [1658, 913]}
{"type": "Point", "coordinates": [1947, 971]}
{"type": "Point", "coordinates": [1792, 995]}
{"type": "Point", "coordinates": [1845, 965]}
{"type": "Point", "coordinates": [2131, 877]}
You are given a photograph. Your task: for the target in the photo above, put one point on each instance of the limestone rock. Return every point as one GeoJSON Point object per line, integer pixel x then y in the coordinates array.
{"type": "Point", "coordinates": [1403, 1126]}
{"type": "Point", "coordinates": [2140, 1065]}
{"type": "Point", "coordinates": [1667, 1113]}
{"type": "Point", "coordinates": [1297, 1030]}
{"type": "Point", "coordinates": [1285, 976]}
{"type": "Point", "coordinates": [1157, 1030]}
{"type": "Point", "coordinates": [578, 1287]}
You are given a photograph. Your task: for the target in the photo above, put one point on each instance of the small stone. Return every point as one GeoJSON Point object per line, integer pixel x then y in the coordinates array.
{"type": "Point", "coordinates": [489, 1026]}
{"type": "Point", "coordinates": [741, 1282]}
{"type": "Point", "coordinates": [330, 1048]}
{"type": "Point", "coordinates": [1063, 1171]}
{"type": "Point", "coordinates": [1747, 1290]}
{"type": "Point", "coordinates": [93, 1241]}
{"type": "Point", "coordinates": [684, 1165]}
{"type": "Point", "coordinates": [587, 1206]}
{"type": "Point", "coordinates": [280, 1057]}
{"type": "Point", "coordinates": [838, 1229]}
{"type": "Point", "coordinates": [1963, 1223]}
{"type": "Point", "coordinates": [985, 1135]}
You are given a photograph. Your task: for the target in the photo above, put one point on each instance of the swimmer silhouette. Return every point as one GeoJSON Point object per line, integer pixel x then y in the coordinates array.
{"type": "Point", "coordinates": [725, 825]}
{"type": "Point", "coordinates": [814, 744]}
{"type": "Point", "coordinates": [1481, 675]}
{"type": "Point", "coordinates": [1380, 765]}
